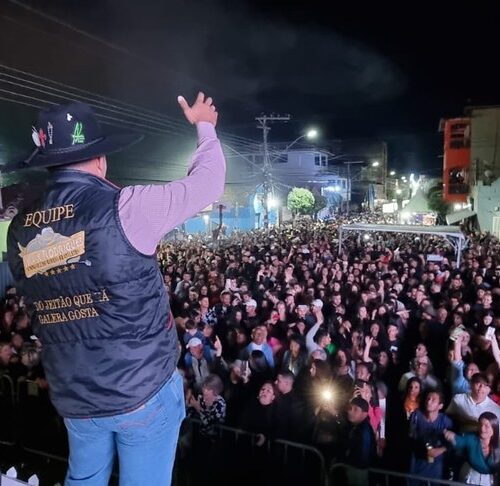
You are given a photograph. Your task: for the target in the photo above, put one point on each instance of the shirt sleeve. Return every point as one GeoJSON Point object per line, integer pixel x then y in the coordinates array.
{"type": "Point", "coordinates": [452, 409]}
{"type": "Point", "coordinates": [148, 212]}
{"type": "Point", "coordinates": [459, 382]}
{"type": "Point", "coordinates": [310, 344]}
{"type": "Point", "coordinates": [462, 443]}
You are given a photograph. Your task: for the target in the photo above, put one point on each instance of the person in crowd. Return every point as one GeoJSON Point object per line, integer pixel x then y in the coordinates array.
{"type": "Point", "coordinates": [412, 396]}
{"type": "Point", "coordinates": [481, 450]}
{"type": "Point", "coordinates": [6, 357]}
{"type": "Point", "coordinates": [295, 357]}
{"type": "Point", "coordinates": [259, 343]}
{"type": "Point", "coordinates": [359, 447]}
{"type": "Point", "coordinates": [210, 405]}
{"type": "Point", "coordinates": [422, 369]}
{"type": "Point", "coordinates": [198, 364]}
{"type": "Point", "coordinates": [364, 390]}
{"type": "Point", "coordinates": [6, 323]}
{"type": "Point", "coordinates": [465, 408]}
{"type": "Point", "coordinates": [460, 372]}
{"type": "Point", "coordinates": [251, 319]}
{"type": "Point", "coordinates": [286, 407]}
{"type": "Point", "coordinates": [258, 417]}
{"type": "Point", "coordinates": [192, 331]}
{"type": "Point", "coordinates": [237, 390]}
{"type": "Point", "coordinates": [426, 431]}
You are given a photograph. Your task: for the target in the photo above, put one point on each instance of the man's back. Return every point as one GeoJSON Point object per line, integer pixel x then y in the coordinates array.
{"type": "Point", "coordinates": [360, 445]}
{"type": "Point", "coordinates": [91, 288]}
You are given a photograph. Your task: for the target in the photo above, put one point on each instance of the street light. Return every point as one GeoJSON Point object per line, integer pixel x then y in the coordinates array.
{"type": "Point", "coordinates": [376, 163]}
{"type": "Point", "coordinates": [398, 192]}
{"type": "Point", "coordinates": [272, 202]}
{"type": "Point", "coordinates": [312, 134]}
{"type": "Point", "coordinates": [392, 173]}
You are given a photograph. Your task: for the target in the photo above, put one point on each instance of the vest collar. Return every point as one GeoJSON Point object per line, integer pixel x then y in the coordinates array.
{"type": "Point", "coordinates": [80, 177]}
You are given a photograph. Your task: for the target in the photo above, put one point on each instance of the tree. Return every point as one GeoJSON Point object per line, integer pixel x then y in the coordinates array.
{"type": "Point", "coordinates": [436, 202]}
{"type": "Point", "coordinates": [300, 201]}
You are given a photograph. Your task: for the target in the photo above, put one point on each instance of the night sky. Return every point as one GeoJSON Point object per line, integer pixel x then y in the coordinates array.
{"type": "Point", "coordinates": [353, 69]}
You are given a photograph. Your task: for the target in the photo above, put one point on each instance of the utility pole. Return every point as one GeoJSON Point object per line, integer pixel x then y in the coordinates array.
{"type": "Point", "coordinates": [349, 180]}
{"type": "Point", "coordinates": [348, 188]}
{"type": "Point", "coordinates": [384, 168]}
{"type": "Point", "coordinates": [263, 124]}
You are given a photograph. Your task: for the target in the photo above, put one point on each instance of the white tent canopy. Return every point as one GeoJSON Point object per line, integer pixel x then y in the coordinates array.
{"type": "Point", "coordinates": [451, 233]}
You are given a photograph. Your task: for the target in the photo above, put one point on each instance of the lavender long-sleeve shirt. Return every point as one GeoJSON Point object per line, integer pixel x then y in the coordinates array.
{"type": "Point", "coordinates": [147, 213]}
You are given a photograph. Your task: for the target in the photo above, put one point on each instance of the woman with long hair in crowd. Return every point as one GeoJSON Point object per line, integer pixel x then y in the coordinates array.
{"type": "Point", "coordinates": [481, 451]}
{"type": "Point", "coordinates": [295, 357]}
{"type": "Point", "coordinates": [412, 396]}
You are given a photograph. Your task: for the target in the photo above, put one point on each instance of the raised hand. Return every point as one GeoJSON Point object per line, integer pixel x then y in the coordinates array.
{"type": "Point", "coordinates": [201, 110]}
{"type": "Point", "coordinates": [449, 436]}
{"type": "Point", "coordinates": [218, 346]}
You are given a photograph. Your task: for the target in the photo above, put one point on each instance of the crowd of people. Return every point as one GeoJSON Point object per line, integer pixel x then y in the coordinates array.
{"type": "Point", "coordinates": [375, 354]}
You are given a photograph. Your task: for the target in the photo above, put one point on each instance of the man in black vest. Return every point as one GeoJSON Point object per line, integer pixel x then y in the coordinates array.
{"type": "Point", "coordinates": [84, 254]}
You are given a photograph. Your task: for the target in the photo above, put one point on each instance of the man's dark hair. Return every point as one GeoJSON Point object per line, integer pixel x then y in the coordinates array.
{"type": "Point", "coordinates": [287, 374]}
{"type": "Point", "coordinates": [190, 324]}
{"type": "Point", "coordinates": [437, 391]}
{"type": "Point", "coordinates": [320, 334]}
{"type": "Point", "coordinates": [480, 377]}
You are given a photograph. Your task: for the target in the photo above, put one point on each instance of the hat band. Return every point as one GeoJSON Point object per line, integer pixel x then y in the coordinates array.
{"type": "Point", "coordinates": [72, 148]}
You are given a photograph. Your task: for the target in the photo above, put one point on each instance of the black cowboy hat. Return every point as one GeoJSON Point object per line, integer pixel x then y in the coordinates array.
{"type": "Point", "coordinates": [70, 133]}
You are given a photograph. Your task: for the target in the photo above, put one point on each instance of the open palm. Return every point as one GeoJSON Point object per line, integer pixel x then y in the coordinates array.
{"type": "Point", "coordinates": [201, 110]}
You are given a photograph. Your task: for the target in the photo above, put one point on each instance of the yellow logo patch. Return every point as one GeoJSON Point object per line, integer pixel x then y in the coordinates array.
{"type": "Point", "coordinates": [50, 250]}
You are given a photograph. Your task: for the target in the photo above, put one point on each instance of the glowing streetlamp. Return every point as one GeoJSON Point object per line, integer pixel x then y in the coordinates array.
{"type": "Point", "coordinates": [376, 163]}
{"type": "Point", "coordinates": [272, 202]}
{"type": "Point", "coordinates": [312, 134]}
{"type": "Point", "coordinates": [398, 192]}
{"type": "Point", "coordinates": [392, 173]}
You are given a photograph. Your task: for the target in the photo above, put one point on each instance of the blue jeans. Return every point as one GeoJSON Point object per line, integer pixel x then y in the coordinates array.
{"type": "Point", "coordinates": [145, 440]}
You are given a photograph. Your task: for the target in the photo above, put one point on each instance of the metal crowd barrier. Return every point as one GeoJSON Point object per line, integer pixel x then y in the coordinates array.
{"type": "Point", "coordinates": [7, 410]}
{"type": "Point", "coordinates": [381, 477]}
{"type": "Point", "coordinates": [233, 456]}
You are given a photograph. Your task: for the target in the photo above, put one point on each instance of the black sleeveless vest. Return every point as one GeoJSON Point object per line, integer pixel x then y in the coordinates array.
{"type": "Point", "coordinates": [101, 307]}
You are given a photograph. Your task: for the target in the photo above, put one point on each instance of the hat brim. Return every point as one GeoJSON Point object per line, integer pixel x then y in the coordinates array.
{"type": "Point", "coordinates": [108, 145]}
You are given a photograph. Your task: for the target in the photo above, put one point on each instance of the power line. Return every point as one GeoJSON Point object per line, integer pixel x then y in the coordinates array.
{"type": "Point", "coordinates": [27, 101]}
{"type": "Point", "coordinates": [111, 45]}
{"type": "Point", "coordinates": [130, 110]}
{"type": "Point", "coordinates": [134, 125]}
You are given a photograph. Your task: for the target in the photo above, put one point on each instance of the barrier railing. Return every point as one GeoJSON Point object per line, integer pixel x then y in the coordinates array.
{"type": "Point", "coordinates": [391, 478]}
{"type": "Point", "coordinates": [7, 410]}
{"type": "Point", "coordinates": [234, 455]}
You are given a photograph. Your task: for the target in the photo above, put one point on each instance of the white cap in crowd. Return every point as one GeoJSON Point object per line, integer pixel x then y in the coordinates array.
{"type": "Point", "coordinates": [318, 303]}
{"type": "Point", "coordinates": [193, 342]}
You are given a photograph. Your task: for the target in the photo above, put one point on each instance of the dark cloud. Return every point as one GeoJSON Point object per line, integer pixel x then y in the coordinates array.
{"type": "Point", "coordinates": [238, 54]}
